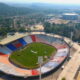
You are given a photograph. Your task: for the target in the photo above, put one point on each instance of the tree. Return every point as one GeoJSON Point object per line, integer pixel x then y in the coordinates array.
{"type": "Point", "coordinates": [22, 29]}
{"type": "Point", "coordinates": [63, 78]}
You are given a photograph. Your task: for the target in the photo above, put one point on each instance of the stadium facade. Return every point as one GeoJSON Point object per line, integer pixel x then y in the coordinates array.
{"type": "Point", "coordinates": [70, 16]}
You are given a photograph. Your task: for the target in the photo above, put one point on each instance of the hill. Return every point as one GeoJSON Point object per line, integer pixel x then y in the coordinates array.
{"type": "Point", "coordinates": [7, 10]}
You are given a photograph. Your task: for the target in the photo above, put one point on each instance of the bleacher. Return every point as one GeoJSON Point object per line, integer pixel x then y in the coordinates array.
{"type": "Point", "coordinates": [17, 44]}
{"type": "Point", "coordinates": [8, 69]}
{"type": "Point", "coordinates": [51, 64]}
{"type": "Point", "coordinates": [28, 39]}
{"type": "Point", "coordinates": [33, 37]}
{"type": "Point", "coordinates": [1, 53]}
{"type": "Point", "coordinates": [49, 38]}
{"type": "Point", "coordinates": [5, 50]}
{"type": "Point", "coordinates": [11, 47]}
{"type": "Point", "coordinates": [8, 48]}
{"type": "Point", "coordinates": [41, 40]}
{"type": "Point", "coordinates": [21, 40]}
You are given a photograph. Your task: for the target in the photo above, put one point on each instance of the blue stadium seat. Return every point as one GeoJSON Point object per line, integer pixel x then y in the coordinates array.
{"type": "Point", "coordinates": [10, 46]}
{"type": "Point", "coordinates": [21, 40]}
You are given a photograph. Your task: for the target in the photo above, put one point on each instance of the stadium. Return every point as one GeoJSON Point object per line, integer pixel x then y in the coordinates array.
{"type": "Point", "coordinates": [19, 54]}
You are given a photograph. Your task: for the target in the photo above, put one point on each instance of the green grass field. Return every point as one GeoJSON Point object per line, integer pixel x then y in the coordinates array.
{"type": "Point", "coordinates": [28, 56]}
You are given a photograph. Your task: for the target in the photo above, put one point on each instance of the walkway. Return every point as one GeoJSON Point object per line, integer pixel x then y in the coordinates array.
{"type": "Point", "coordinates": [71, 68]}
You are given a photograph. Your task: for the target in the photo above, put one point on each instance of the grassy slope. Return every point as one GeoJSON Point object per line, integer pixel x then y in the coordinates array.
{"type": "Point", "coordinates": [27, 58]}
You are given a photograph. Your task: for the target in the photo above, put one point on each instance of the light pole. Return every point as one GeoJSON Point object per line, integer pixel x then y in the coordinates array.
{"type": "Point", "coordinates": [40, 73]}
{"type": "Point", "coordinates": [71, 35]}
{"type": "Point", "coordinates": [71, 39]}
{"type": "Point", "coordinates": [70, 45]}
{"type": "Point", "coordinates": [25, 76]}
{"type": "Point", "coordinates": [40, 61]}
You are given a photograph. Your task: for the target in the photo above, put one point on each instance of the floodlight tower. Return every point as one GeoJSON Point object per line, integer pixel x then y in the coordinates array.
{"type": "Point", "coordinates": [51, 25]}
{"type": "Point", "coordinates": [71, 37]}
{"type": "Point", "coordinates": [40, 61]}
{"type": "Point", "coordinates": [70, 44]}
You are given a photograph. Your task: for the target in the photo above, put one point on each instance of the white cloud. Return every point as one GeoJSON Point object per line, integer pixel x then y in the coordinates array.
{"type": "Point", "coordinates": [47, 1]}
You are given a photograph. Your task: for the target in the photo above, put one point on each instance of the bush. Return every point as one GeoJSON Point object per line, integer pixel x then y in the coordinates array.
{"type": "Point", "coordinates": [63, 78]}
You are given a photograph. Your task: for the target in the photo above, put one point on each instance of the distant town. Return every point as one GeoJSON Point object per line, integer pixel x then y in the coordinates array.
{"type": "Point", "coordinates": [60, 21]}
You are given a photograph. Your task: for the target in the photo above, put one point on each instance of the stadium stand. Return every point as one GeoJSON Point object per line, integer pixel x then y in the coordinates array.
{"type": "Point", "coordinates": [61, 54]}
{"type": "Point", "coordinates": [2, 54]}
{"type": "Point", "coordinates": [33, 38]}
{"type": "Point", "coordinates": [58, 59]}
{"type": "Point", "coordinates": [21, 40]}
{"type": "Point", "coordinates": [45, 37]}
{"type": "Point", "coordinates": [28, 39]}
{"type": "Point", "coordinates": [35, 72]}
{"type": "Point", "coordinates": [51, 64]}
{"type": "Point", "coordinates": [7, 49]}
{"type": "Point", "coordinates": [17, 44]}
{"type": "Point", "coordinates": [44, 69]}
{"type": "Point", "coordinates": [41, 40]}
{"type": "Point", "coordinates": [4, 50]}
{"type": "Point", "coordinates": [11, 46]}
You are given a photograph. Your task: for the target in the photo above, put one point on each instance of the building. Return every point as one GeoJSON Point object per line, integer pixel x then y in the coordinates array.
{"type": "Point", "coordinates": [70, 16]}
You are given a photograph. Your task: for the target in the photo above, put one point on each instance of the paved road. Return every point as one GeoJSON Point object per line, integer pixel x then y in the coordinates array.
{"type": "Point", "coordinates": [71, 68]}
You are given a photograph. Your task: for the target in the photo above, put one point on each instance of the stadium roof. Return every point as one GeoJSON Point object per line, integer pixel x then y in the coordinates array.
{"type": "Point", "coordinates": [70, 14]}
{"type": "Point", "coordinates": [10, 38]}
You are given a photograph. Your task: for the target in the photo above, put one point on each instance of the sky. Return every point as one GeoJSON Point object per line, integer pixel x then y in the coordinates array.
{"type": "Point", "coordinates": [44, 1]}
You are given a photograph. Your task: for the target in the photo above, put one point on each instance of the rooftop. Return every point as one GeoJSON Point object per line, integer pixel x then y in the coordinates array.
{"type": "Point", "coordinates": [70, 14]}
{"type": "Point", "coordinates": [11, 38]}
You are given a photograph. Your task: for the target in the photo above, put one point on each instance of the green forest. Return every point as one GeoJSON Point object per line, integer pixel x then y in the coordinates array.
{"type": "Point", "coordinates": [64, 30]}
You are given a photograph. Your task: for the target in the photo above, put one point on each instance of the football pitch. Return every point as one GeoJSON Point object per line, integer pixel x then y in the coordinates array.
{"type": "Point", "coordinates": [28, 56]}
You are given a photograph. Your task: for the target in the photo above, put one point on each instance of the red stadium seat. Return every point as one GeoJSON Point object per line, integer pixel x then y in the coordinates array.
{"type": "Point", "coordinates": [17, 44]}
{"type": "Point", "coordinates": [33, 38]}
{"type": "Point", "coordinates": [41, 40]}
{"type": "Point", "coordinates": [2, 54]}
{"type": "Point", "coordinates": [35, 72]}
